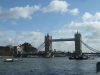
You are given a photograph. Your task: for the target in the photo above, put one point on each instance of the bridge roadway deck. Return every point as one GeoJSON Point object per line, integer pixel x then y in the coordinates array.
{"type": "Point", "coordinates": [66, 39]}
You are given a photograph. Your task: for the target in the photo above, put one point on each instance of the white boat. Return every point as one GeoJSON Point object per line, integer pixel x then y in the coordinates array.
{"type": "Point", "coordinates": [8, 60]}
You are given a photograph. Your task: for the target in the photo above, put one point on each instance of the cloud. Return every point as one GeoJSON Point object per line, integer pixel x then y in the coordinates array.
{"type": "Point", "coordinates": [89, 17]}
{"type": "Point", "coordinates": [16, 38]}
{"type": "Point", "coordinates": [89, 22]}
{"type": "Point", "coordinates": [19, 12]}
{"type": "Point", "coordinates": [55, 6]}
{"type": "Point", "coordinates": [89, 26]}
{"type": "Point", "coordinates": [28, 11]}
{"type": "Point", "coordinates": [13, 22]}
{"type": "Point", "coordinates": [60, 6]}
{"type": "Point", "coordinates": [94, 35]}
{"type": "Point", "coordinates": [74, 11]}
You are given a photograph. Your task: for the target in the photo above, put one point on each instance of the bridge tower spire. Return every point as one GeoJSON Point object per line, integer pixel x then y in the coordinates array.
{"type": "Point", "coordinates": [78, 45]}
{"type": "Point", "coordinates": [48, 45]}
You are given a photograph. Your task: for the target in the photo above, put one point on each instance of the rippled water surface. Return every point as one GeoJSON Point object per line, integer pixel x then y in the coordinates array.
{"type": "Point", "coordinates": [48, 66]}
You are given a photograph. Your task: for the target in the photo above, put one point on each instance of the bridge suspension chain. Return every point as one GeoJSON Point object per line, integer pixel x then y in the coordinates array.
{"type": "Point", "coordinates": [41, 46]}
{"type": "Point", "coordinates": [92, 49]}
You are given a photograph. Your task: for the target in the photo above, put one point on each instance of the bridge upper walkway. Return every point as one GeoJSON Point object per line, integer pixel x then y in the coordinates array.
{"type": "Point", "coordinates": [66, 39]}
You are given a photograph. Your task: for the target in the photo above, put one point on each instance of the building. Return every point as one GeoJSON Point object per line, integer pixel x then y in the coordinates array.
{"type": "Point", "coordinates": [6, 51]}
{"type": "Point", "coordinates": [14, 51]}
{"type": "Point", "coordinates": [25, 48]}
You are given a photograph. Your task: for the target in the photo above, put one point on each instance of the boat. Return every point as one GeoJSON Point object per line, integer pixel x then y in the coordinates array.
{"type": "Point", "coordinates": [81, 58]}
{"type": "Point", "coordinates": [9, 60]}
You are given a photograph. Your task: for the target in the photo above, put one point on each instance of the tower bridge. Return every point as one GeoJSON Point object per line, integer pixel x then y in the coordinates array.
{"type": "Point", "coordinates": [78, 46]}
{"type": "Point", "coordinates": [77, 39]}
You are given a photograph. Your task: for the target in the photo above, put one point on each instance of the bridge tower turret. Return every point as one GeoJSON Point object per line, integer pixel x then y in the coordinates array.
{"type": "Point", "coordinates": [78, 45]}
{"type": "Point", "coordinates": [48, 45]}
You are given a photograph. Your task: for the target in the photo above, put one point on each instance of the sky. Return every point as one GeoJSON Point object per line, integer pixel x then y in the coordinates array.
{"type": "Point", "coordinates": [30, 20]}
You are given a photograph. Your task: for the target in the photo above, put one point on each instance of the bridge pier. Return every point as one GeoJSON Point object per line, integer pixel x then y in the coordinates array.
{"type": "Point", "coordinates": [48, 45]}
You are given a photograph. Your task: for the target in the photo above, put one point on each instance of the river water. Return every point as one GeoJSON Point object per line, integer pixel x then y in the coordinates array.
{"type": "Point", "coordinates": [48, 66]}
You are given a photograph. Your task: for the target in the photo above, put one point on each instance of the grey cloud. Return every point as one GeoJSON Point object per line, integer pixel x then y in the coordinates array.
{"type": "Point", "coordinates": [15, 38]}
{"type": "Point", "coordinates": [93, 35]}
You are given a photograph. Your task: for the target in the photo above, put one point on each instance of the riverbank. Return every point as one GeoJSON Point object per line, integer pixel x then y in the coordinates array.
{"type": "Point", "coordinates": [6, 56]}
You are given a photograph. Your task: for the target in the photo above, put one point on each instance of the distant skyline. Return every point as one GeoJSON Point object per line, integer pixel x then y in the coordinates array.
{"type": "Point", "coordinates": [29, 21]}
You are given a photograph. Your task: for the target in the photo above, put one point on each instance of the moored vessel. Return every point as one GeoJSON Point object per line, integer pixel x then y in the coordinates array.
{"type": "Point", "coordinates": [8, 60]}
{"type": "Point", "coordinates": [81, 58]}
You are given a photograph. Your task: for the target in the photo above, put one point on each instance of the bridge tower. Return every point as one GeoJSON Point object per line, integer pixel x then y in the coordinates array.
{"type": "Point", "coordinates": [48, 45]}
{"type": "Point", "coordinates": [78, 45]}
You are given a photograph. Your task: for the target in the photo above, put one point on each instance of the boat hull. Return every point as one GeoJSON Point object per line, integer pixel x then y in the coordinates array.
{"type": "Point", "coordinates": [9, 60]}
{"type": "Point", "coordinates": [80, 58]}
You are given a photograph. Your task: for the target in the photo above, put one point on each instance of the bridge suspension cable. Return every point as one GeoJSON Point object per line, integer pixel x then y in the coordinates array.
{"type": "Point", "coordinates": [41, 46]}
{"type": "Point", "coordinates": [92, 49]}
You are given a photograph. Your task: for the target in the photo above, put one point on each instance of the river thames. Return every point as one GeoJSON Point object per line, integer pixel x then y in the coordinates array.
{"type": "Point", "coordinates": [48, 66]}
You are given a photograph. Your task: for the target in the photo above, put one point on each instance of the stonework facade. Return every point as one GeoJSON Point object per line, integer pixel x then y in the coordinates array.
{"type": "Point", "coordinates": [78, 45]}
{"type": "Point", "coordinates": [48, 43]}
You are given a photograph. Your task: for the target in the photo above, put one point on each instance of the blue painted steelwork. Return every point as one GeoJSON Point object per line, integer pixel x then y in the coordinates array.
{"type": "Point", "coordinates": [66, 39]}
